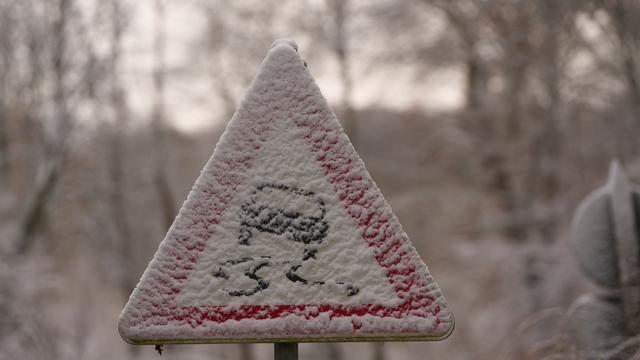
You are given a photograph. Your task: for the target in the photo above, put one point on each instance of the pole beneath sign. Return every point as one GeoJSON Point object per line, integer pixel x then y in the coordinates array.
{"type": "Point", "coordinates": [285, 351]}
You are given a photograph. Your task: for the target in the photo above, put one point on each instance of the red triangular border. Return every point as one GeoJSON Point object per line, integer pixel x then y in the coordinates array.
{"type": "Point", "coordinates": [145, 319]}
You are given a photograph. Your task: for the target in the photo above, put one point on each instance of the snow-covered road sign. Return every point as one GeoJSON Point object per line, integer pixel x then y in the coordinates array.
{"type": "Point", "coordinates": [285, 237]}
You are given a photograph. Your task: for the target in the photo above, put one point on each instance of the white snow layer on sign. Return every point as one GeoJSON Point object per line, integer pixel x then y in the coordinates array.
{"type": "Point", "coordinates": [341, 257]}
{"type": "Point", "coordinates": [284, 236]}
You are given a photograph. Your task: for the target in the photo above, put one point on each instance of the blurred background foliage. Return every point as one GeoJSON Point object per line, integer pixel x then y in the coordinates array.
{"type": "Point", "coordinates": [484, 122]}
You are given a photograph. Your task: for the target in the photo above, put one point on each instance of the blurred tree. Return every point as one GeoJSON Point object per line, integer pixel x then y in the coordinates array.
{"type": "Point", "coordinates": [340, 12]}
{"type": "Point", "coordinates": [56, 132]}
{"type": "Point", "coordinates": [159, 125]}
{"type": "Point", "coordinates": [117, 148]}
{"type": "Point", "coordinates": [7, 24]}
{"type": "Point", "coordinates": [625, 16]}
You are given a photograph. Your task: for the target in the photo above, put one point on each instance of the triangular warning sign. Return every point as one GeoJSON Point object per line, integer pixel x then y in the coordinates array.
{"type": "Point", "coordinates": [285, 237]}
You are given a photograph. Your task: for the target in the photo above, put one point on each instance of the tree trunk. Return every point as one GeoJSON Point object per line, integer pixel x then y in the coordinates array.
{"type": "Point", "coordinates": [4, 147]}
{"type": "Point", "coordinates": [544, 169]}
{"type": "Point", "coordinates": [117, 149]}
{"type": "Point", "coordinates": [55, 144]}
{"type": "Point", "coordinates": [341, 47]}
{"type": "Point", "coordinates": [46, 180]}
{"type": "Point", "coordinates": [6, 62]}
{"type": "Point", "coordinates": [378, 351]}
{"type": "Point", "coordinates": [246, 352]}
{"type": "Point", "coordinates": [625, 16]}
{"type": "Point", "coordinates": [333, 351]}
{"type": "Point", "coordinates": [161, 179]}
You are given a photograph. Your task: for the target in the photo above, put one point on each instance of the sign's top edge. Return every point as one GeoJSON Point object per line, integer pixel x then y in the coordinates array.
{"type": "Point", "coordinates": [285, 42]}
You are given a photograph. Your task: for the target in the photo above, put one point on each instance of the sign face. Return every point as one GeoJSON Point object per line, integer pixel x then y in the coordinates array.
{"type": "Point", "coordinates": [285, 237]}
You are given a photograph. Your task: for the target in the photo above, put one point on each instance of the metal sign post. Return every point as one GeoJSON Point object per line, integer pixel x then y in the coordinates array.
{"type": "Point", "coordinates": [285, 351]}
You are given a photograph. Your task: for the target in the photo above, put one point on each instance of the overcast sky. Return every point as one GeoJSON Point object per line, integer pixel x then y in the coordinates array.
{"type": "Point", "coordinates": [191, 102]}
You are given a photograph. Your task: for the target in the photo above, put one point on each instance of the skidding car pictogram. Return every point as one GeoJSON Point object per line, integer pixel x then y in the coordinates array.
{"type": "Point", "coordinates": [301, 218]}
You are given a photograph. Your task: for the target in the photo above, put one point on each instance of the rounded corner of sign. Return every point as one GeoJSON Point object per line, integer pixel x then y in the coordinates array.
{"type": "Point", "coordinates": [124, 334]}
{"type": "Point", "coordinates": [448, 332]}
